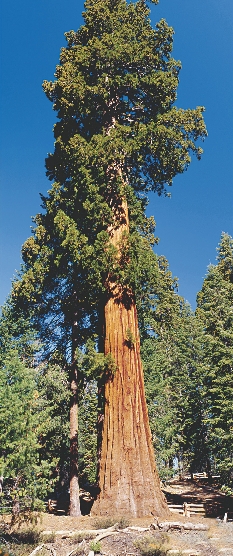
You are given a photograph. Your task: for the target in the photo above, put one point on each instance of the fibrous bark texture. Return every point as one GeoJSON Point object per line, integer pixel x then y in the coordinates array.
{"type": "Point", "coordinates": [128, 480]}
{"type": "Point", "coordinates": [74, 484]}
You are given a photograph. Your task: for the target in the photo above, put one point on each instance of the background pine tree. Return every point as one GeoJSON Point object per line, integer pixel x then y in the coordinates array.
{"type": "Point", "coordinates": [215, 311]}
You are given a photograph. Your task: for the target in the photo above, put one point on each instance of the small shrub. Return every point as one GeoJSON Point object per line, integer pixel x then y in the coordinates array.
{"type": "Point", "coordinates": [95, 546]}
{"type": "Point", "coordinates": [104, 522]}
{"type": "Point", "coordinates": [149, 546]}
{"type": "Point", "coordinates": [123, 522]}
{"type": "Point", "coordinates": [227, 490]}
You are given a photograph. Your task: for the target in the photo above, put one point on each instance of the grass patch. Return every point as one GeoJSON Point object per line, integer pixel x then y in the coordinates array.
{"type": "Point", "coordinates": [103, 522]}
{"type": "Point", "coordinates": [49, 537]}
{"type": "Point", "coordinates": [79, 537]}
{"type": "Point", "coordinates": [123, 522]}
{"type": "Point", "coordinates": [106, 522]}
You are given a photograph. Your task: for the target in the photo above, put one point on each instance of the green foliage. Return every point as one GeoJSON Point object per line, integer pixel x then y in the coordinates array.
{"type": "Point", "coordinates": [117, 135]}
{"type": "Point", "coordinates": [214, 309]}
{"type": "Point", "coordinates": [16, 334]}
{"type": "Point", "coordinates": [95, 546]}
{"type": "Point", "coordinates": [88, 408]}
{"type": "Point", "coordinates": [227, 490]}
{"type": "Point", "coordinates": [173, 368]}
{"type": "Point", "coordinates": [18, 422]}
{"type": "Point", "coordinates": [34, 401]}
{"type": "Point", "coordinates": [93, 364]}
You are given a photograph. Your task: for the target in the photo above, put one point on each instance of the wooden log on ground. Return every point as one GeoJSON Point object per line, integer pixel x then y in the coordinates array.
{"type": "Point", "coordinates": [106, 534]}
{"type": "Point", "coordinates": [134, 528]}
{"type": "Point", "coordinates": [166, 525]}
{"type": "Point", "coordinates": [69, 533]}
{"type": "Point", "coordinates": [195, 527]}
{"type": "Point", "coordinates": [40, 546]}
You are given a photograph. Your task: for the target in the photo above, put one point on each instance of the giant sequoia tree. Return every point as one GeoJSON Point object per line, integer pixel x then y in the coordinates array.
{"type": "Point", "coordinates": [117, 137]}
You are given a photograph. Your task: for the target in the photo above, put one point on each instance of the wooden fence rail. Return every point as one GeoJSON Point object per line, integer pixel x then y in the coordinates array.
{"type": "Point", "coordinates": [187, 509]}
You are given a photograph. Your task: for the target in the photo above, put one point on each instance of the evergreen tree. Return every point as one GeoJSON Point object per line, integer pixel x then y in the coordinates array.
{"type": "Point", "coordinates": [118, 136]}
{"type": "Point", "coordinates": [34, 399]}
{"type": "Point", "coordinates": [25, 421]}
{"type": "Point", "coordinates": [214, 309]}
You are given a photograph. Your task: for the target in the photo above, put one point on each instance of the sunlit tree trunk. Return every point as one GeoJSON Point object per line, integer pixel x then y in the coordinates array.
{"type": "Point", "coordinates": [128, 480]}
{"type": "Point", "coordinates": [74, 484]}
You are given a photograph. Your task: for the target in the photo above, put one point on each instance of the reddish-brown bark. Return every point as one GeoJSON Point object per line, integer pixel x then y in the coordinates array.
{"type": "Point", "coordinates": [128, 480]}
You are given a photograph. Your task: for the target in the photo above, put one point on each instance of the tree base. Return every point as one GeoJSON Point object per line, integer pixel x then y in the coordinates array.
{"type": "Point", "coordinates": [132, 494]}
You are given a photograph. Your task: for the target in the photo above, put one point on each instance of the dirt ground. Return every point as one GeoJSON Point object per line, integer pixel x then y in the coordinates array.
{"type": "Point", "coordinates": [68, 536]}
{"type": "Point", "coordinates": [216, 541]}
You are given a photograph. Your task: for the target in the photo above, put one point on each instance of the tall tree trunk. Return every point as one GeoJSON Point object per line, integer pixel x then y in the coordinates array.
{"type": "Point", "coordinates": [101, 389]}
{"type": "Point", "coordinates": [128, 480]}
{"type": "Point", "coordinates": [74, 484]}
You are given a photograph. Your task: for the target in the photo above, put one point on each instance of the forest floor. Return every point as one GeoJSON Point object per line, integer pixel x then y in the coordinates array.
{"type": "Point", "coordinates": [62, 535]}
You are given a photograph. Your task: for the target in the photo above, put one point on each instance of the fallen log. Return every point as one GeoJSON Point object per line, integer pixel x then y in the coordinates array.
{"type": "Point", "coordinates": [74, 550]}
{"type": "Point", "coordinates": [36, 549]}
{"type": "Point", "coordinates": [195, 527]}
{"type": "Point", "coordinates": [166, 525]}
{"type": "Point", "coordinates": [106, 534]}
{"type": "Point", "coordinates": [40, 546]}
{"type": "Point", "coordinates": [69, 533]}
{"type": "Point", "coordinates": [134, 528]}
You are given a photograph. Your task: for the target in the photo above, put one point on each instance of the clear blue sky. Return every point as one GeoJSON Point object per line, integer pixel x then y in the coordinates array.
{"type": "Point", "coordinates": [190, 223]}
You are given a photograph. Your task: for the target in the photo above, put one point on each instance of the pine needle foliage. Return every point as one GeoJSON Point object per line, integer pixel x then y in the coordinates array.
{"type": "Point", "coordinates": [215, 311]}
{"type": "Point", "coordinates": [114, 94]}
